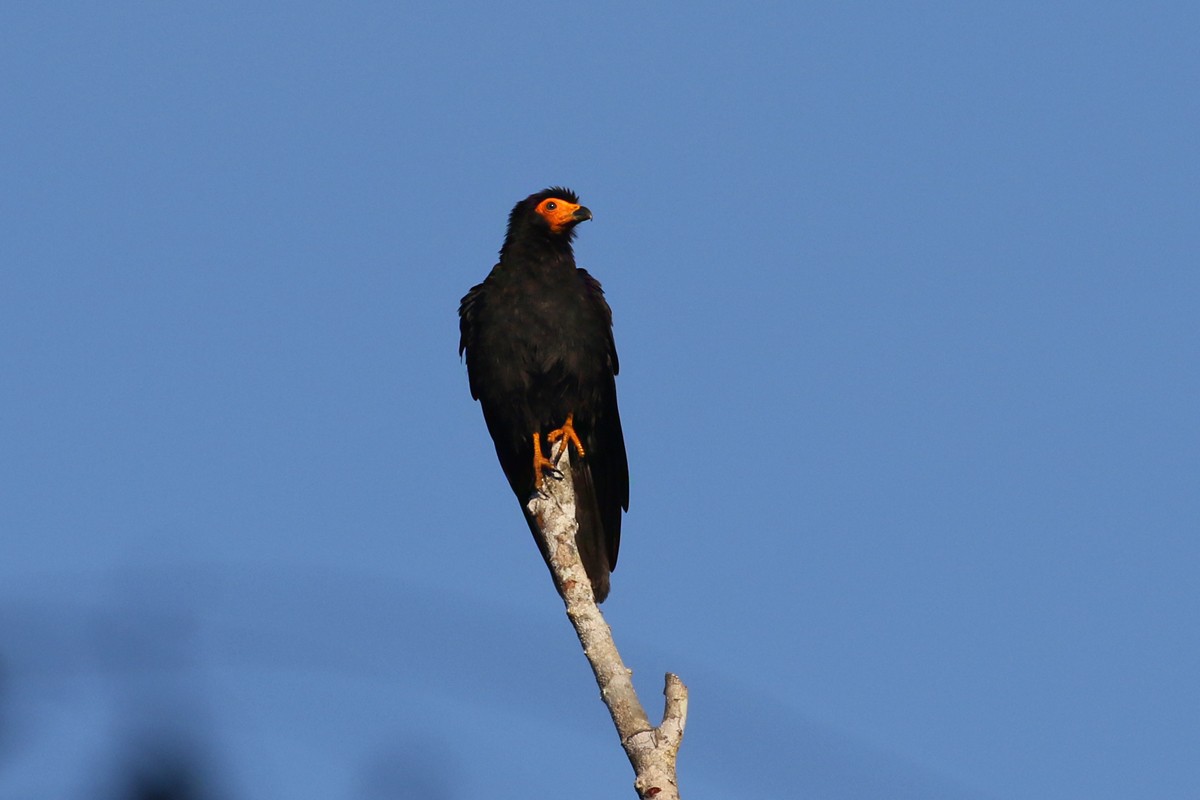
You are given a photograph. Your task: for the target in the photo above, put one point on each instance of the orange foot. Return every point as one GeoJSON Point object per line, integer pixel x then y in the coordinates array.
{"type": "Point", "coordinates": [567, 434]}
{"type": "Point", "coordinates": [541, 463]}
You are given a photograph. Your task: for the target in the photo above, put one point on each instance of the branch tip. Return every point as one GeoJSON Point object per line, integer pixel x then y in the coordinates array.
{"type": "Point", "coordinates": [651, 750]}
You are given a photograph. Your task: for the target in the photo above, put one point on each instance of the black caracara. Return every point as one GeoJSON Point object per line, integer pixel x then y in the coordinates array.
{"type": "Point", "coordinates": [541, 360]}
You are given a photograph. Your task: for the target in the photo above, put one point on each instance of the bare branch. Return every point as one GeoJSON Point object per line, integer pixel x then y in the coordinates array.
{"type": "Point", "coordinates": [651, 751]}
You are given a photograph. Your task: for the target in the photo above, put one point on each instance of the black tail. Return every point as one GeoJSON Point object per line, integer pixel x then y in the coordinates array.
{"type": "Point", "coordinates": [590, 539]}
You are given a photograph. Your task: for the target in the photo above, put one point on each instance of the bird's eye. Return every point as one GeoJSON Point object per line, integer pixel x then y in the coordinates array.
{"type": "Point", "coordinates": [551, 205]}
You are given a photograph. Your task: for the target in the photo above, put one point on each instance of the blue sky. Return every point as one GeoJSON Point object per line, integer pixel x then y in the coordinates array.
{"type": "Point", "coordinates": [905, 298]}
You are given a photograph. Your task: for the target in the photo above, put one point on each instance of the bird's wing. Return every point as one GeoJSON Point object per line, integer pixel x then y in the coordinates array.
{"type": "Point", "coordinates": [607, 462]}
{"type": "Point", "coordinates": [596, 295]}
{"type": "Point", "coordinates": [468, 313]}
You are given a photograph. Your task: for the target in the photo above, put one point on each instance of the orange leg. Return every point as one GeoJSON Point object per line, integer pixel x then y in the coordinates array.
{"type": "Point", "coordinates": [568, 435]}
{"type": "Point", "coordinates": [540, 463]}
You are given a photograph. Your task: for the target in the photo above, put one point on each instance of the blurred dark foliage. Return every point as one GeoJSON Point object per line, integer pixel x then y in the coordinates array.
{"type": "Point", "coordinates": [169, 777]}
{"type": "Point", "coordinates": [143, 648]}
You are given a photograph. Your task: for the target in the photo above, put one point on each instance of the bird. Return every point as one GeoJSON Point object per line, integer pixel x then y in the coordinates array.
{"type": "Point", "coordinates": [542, 362]}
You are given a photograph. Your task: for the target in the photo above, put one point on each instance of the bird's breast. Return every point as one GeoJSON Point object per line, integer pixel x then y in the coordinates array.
{"type": "Point", "coordinates": [547, 333]}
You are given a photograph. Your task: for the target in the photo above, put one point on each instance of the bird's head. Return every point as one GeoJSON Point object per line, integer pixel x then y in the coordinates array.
{"type": "Point", "coordinates": [552, 212]}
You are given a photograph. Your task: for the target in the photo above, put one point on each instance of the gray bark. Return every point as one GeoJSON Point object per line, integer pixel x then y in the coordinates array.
{"type": "Point", "coordinates": [651, 750]}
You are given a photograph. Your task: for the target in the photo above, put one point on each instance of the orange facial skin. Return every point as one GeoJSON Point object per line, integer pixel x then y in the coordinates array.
{"type": "Point", "coordinates": [560, 214]}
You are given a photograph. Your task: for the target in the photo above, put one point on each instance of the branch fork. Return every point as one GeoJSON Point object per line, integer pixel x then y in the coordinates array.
{"type": "Point", "coordinates": [651, 750]}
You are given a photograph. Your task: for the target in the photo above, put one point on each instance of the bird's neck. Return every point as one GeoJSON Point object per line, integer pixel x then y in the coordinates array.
{"type": "Point", "coordinates": [548, 252]}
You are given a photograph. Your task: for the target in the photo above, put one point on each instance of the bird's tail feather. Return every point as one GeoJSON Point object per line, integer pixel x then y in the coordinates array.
{"type": "Point", "coordinates": [590, 538]}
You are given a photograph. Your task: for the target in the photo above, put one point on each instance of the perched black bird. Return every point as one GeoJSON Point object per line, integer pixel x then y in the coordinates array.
{"type": "Point", "coordinates": [541, 360]}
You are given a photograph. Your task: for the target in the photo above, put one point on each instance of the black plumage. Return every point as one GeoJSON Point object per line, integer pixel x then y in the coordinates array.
{"type": "Point", "coordinates": [538, 339]}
